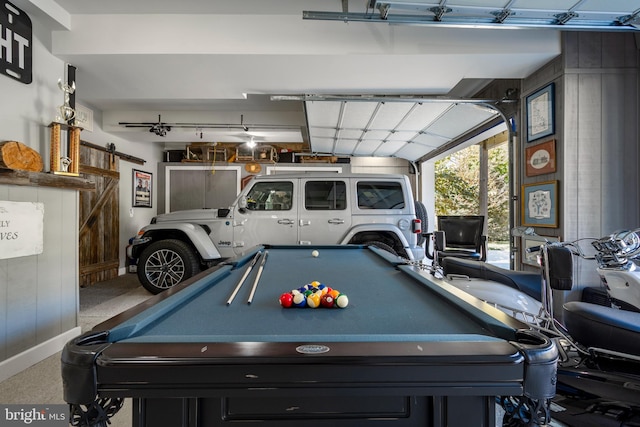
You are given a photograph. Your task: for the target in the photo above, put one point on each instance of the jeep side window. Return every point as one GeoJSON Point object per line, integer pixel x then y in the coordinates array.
{"type": "Point", "coordinates": [380, 195]}
{"type": "Point", "coordinates": [270, 196]}
{"type": "Point", "coordinates": [325, 195]}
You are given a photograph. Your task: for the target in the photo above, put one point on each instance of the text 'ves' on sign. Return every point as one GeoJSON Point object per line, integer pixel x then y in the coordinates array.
{"type": "Point", "coordinates": [21, 229]}
{"type": "Point", "coordinates": [15, 43]}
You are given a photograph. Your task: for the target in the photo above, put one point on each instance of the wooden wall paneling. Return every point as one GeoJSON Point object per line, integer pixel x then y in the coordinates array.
{"type": "Point", "coordinates": [612, 150]}
{"type": "Point", "coordinates": [568, 163]}
{"type": "Point", "coordinates": [614, 53]}
{"type": "Point", "coordinates": [39, 293]}
{"type": "Point", "coordinates": [630, 203]}
{"type": "Point", "coordinates": [4, 290]}
{"type": "Point", "coordinates": [570, 51]}
{"type": "Point", "coordinates": [590, 50]}
{"type": "Point", "coordinates": [588, 215]}
{"type": "Point", "coordinates": [49, 312]}
{"type": "Point", "coordinates": [22, 292]}
{"type": "Point", "coordinates": [68, 258]}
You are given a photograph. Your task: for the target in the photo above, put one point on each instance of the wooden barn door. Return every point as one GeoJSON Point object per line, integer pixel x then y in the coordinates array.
{"type": "Point", "coordinates": [99, 217]}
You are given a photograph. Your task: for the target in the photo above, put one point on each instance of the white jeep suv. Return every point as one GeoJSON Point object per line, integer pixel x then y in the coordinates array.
{"type": "Point", "coordinates": [305, 209]}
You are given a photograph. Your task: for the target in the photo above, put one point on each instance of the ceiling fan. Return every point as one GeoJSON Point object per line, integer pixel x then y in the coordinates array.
{"type": "Point", "coordinates": [160, 128]}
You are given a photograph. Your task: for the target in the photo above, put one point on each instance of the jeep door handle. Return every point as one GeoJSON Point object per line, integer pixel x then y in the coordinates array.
{"type": "Point", "coordinates": [336, 221]}
{"type": "Point", "coordinates": [286, 221]}
{"type": "Point", "coordinates": [304, 222]}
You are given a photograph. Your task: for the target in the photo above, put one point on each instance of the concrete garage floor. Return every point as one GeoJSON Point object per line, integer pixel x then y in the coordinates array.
{"type": "Point", "coordinates": [42, 383]}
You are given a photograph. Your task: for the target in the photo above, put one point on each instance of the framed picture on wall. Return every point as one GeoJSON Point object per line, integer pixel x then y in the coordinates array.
{"type": "Point", "coordinates": [142, 189]}
{"type": "Point", "coordinates": [540, 113]}
{"type": "Point", "coordinates": [534, 241]}
{"type": "Point", "coordinates": [540, 204]}
{"type": "Point", "coordinates": [541, 158]}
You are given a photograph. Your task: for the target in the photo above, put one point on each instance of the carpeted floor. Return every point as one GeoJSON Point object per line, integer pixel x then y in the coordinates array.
{"type": "Point", "coordinates": [41, 383]}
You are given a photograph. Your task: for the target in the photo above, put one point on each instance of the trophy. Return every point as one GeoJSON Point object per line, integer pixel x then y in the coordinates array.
{"type": "Point", "coordinates": [60, 163]}
{"type": "Point", "coordinates": [66, 112]}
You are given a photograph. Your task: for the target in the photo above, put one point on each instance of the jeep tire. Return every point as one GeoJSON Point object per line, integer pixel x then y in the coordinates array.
{"type": "Point", "coordinates": [421, 214]}
{"type": "Point", "coordinates": [165, 263]}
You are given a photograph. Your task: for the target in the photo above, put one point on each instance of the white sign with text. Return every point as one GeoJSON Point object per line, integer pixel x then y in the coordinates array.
{"type": "Point", "coordinates": [21, 229]}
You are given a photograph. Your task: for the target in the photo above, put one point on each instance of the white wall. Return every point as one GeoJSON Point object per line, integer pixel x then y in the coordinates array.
{"type": "Point", "coordinates": [38, 293]}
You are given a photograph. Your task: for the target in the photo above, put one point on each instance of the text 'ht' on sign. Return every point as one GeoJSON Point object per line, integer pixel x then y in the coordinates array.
{"type": "Point", "coordinates": [15, 43]}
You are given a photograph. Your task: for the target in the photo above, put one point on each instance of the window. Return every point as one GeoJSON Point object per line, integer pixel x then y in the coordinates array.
{"type": "Point", "coordinates": [380, 195]}
{"type": "Point", "coordinates": [270, 196]}
{"type": "Point", "coordinates": [325, 195]}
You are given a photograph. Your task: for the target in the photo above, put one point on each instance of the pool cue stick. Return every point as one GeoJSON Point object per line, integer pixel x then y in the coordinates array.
{"type": "Point", "coordinates": [255, 282]}
{"type": "Point", "coordinates": [244, 277]}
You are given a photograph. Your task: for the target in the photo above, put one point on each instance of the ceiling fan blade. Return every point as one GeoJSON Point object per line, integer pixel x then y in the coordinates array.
{"type": "Point", "coordinates": [136, 124]}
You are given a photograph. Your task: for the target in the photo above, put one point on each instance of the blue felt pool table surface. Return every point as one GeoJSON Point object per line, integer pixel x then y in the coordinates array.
{"type": "Point", "coordinates": [388, 301]}
{"type": "Point", "coordinates": [408, 349]}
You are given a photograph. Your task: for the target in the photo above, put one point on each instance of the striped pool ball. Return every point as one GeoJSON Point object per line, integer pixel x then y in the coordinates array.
{"type": "Point", "coordinates": [327, 301]}
{"type": "Point", "coordinates": [299, 300]}
{"type": "Point", "coordinates": [313, 300]}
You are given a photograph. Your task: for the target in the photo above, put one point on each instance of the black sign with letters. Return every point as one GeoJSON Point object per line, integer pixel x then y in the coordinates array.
{"type": "Point", "coordinates": [15, 43]}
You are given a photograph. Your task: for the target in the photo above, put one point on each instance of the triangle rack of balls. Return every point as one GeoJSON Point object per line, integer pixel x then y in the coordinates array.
{"type": "Point", "coordinates": [314, 295]}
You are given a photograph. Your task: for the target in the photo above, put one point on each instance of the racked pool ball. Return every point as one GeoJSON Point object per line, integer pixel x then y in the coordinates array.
{"type": "Point", "coordinates": [327, 301]}
{"type": "Point", "coordinates": [313, 300]}
{"type": "Point", "coordinates": [299, 300]}
{"type": "Point", "coordinates": [286, 300]}
{"type": "Point", "coordinates": [342, 301]}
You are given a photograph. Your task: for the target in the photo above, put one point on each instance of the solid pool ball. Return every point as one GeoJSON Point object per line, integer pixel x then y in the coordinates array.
{"type": "Point", "coordinates": [334, 293]}
{"type": "Point", "coordinates": [286, 300]}
{"type": "Point", "coordinates": [315, 254]}
{"type": "Point", "coordinates": [327, 301]}
{"type": "Point", "coordinates": [342, 301]}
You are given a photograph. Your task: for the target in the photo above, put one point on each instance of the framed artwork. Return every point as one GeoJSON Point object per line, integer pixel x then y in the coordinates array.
{"type": "Point", "coordinates": [540, 204]}
{"type": "Point", "coordinates": [533, 241]}
{"type": "Point", "coordinates": [541, 158]}
{"type": "Point", "coordinates": [540, 113]}
{"type": "Point", "coordinates": [142, 189]}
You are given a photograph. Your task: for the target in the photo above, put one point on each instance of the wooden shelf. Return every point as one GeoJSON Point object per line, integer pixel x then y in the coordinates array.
{"type": "Point", "coordinates": [40, 179]}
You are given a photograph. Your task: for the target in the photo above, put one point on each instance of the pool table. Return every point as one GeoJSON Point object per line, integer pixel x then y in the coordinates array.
{"type": "Point", "coordinates": [408, 350]}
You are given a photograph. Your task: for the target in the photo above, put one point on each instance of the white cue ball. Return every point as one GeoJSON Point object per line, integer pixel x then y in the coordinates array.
{"type": "Point", "coordinates": [315, 254]}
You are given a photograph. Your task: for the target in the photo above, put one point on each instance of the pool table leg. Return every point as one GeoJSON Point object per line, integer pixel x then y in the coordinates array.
{"type": "Point", "coordinates": [96, 414]}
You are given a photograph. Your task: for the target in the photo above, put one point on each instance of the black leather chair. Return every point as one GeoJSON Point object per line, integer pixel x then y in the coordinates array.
{"type": "Point", "coordinates": [460, 236]}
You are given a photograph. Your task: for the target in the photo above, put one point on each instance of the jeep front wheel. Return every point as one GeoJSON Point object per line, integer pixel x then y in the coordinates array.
{"type": "Point", "coordinates": [166, 263]}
